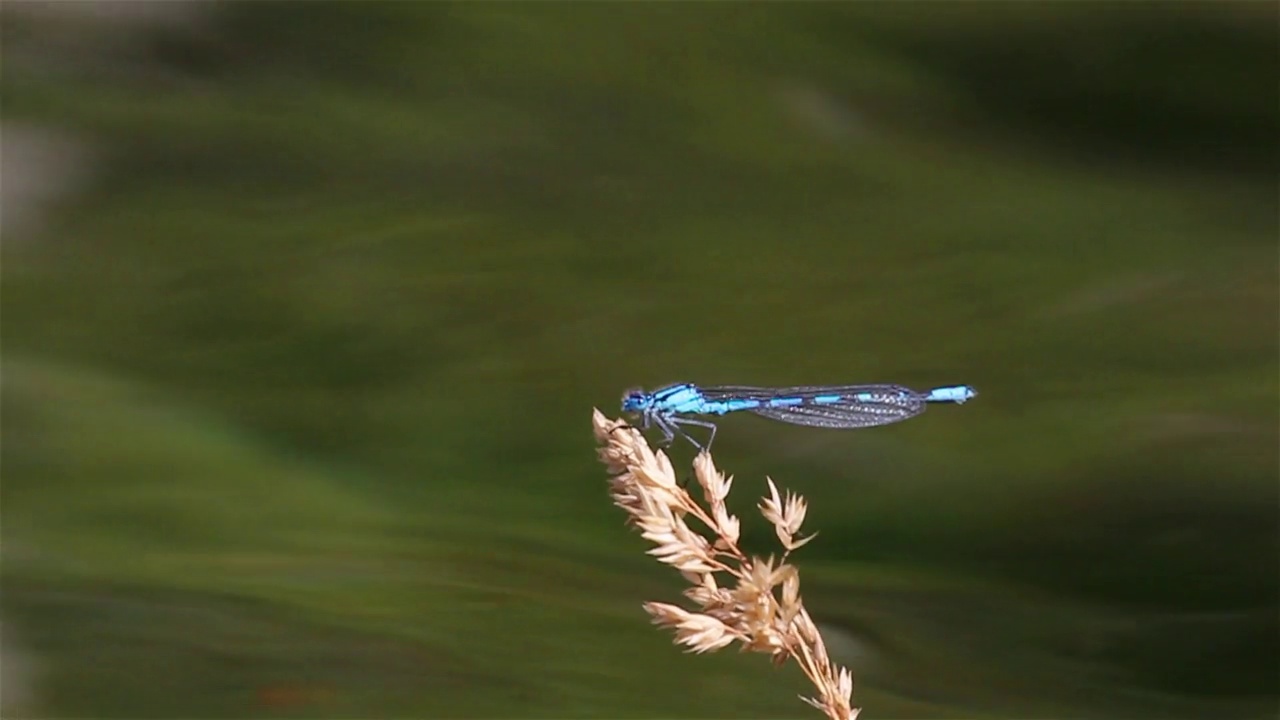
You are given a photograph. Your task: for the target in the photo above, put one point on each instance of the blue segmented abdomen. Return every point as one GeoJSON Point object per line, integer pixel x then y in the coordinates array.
{"type": "Point", "coordinates": [725, 406]}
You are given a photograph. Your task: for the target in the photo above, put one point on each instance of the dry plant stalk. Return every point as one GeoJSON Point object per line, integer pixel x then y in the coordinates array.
{"type": "Point", "coordinates": [761, 608]}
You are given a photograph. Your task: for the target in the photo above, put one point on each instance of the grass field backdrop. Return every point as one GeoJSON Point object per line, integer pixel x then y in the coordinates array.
{"type": "Point", "coordinates": [297, 393]}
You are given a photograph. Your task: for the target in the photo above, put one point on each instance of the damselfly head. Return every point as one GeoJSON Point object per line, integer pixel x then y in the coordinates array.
{"type": "Point", "coordinates": [635, 400]}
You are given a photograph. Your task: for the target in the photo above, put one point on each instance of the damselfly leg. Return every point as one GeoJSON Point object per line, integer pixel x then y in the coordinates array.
{"type": "Point", "coordinates": [628, 426]}
{"type": "Point", "coordinates": [668, 429]}
{"type": "Point", "coordinates": [700, 423]}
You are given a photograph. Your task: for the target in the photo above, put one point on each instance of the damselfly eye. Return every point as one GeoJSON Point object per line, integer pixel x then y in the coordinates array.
{"type": "Point", "coordinates": [633, 399]}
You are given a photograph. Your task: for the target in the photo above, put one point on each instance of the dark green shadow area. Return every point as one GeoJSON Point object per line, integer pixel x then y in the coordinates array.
{"type": "Point", "coordinates": [297, 392]}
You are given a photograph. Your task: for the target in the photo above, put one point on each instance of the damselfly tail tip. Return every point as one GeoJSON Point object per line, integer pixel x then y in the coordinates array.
{"type": "Point", "coordinates": [957, 394]}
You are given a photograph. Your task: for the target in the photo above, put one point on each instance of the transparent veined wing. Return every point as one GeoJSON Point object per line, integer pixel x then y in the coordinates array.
{"type": "Point", "coordinates": [829, 406]}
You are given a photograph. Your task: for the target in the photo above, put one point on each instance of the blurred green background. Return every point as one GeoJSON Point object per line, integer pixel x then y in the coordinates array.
{"type": "Point", "coordinates": [297, 381]}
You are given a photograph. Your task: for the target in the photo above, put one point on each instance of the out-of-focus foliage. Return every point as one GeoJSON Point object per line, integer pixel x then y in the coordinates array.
{"type": "Point", "coordinates": [296, 395]}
